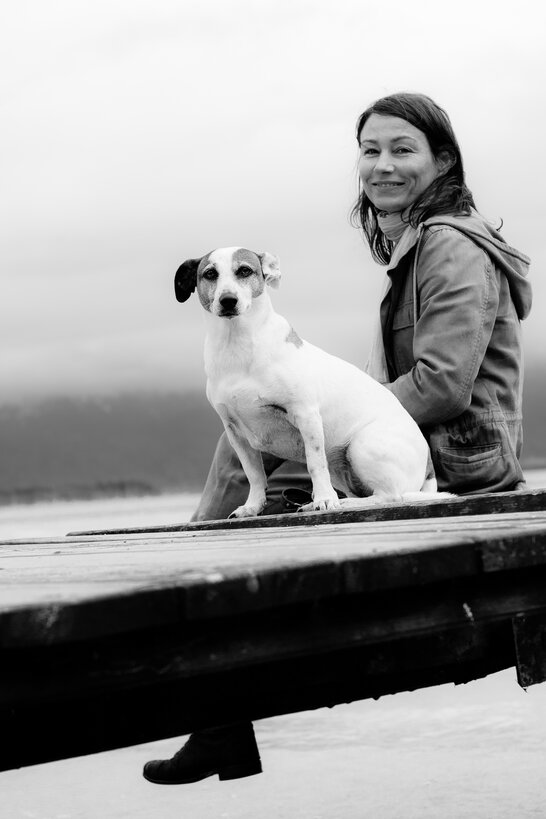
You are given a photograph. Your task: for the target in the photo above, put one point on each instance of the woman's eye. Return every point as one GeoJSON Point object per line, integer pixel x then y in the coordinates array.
{"type": "Point", "coordinates": [403, 150]}
{"type": "Point", "coordinates": [368, 151]}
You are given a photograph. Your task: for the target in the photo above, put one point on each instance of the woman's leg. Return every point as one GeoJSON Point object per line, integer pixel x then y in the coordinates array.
{"type": "Point", "coordinates": [229, 750]}
{"type": "Point", "coordinates": [226, 486]}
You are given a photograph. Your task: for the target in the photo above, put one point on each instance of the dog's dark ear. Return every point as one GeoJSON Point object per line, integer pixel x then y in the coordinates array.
{"type": "Point", "coordinates": [186, 279]}
{"type": "Point", "coordinates": [270, 268]}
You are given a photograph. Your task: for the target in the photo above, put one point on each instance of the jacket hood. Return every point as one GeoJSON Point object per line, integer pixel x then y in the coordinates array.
{"type": "Point", "coordinates": [511, 262]}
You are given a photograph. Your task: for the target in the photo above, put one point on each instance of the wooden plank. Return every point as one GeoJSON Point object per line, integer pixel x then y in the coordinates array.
{"type": "Point", "coordinates": [530, 641]}
{"type": "Point", "coordinates": [505, 553]}
{"type": "Point", "coordinates": [462, 505]}
{"type": "Point", "coordinates": [108, 641]}
{"type": "Point", "coordinates": [168, 653]}
{"type": "Point", "coordinates": [62, 591]}
{"type": "Point", "coordinates": [159, 682]}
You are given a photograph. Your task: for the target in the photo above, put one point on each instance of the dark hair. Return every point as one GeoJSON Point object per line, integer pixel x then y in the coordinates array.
{"type": "Point", "coordinates": [447, 193]}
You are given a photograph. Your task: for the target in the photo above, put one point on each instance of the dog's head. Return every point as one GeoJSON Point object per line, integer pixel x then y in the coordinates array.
{"type": "Point", "coordinates": [227, 280]}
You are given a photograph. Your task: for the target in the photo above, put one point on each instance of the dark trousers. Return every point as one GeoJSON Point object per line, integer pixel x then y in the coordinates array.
{"type": "Point", "coordinates": [226, 488]}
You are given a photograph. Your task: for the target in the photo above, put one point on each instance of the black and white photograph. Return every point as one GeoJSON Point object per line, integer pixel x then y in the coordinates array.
{"type": "Point", "coordinates": [272, 451]}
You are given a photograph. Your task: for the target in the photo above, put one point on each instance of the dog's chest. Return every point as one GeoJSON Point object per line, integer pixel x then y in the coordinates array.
{"type": "Point", "coordinates": [251, 412]}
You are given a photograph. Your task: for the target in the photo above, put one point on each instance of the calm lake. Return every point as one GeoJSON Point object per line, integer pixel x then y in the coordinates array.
{"type": "Point", "coordinates": [475, 751]}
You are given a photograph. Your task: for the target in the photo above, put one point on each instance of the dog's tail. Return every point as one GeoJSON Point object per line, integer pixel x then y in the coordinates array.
{"type": "Point", "coordinates": [386, 499]}
{"type": "Point", "coordinates": [426, 495]}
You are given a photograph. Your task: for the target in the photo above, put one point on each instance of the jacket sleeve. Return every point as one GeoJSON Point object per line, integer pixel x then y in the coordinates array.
{"type": "Point", "coordinates": [458, 302]}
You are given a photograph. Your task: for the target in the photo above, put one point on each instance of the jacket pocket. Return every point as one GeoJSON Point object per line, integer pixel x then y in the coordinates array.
{"type": "Point", "coordinates": [469, 469]}
{"type": "Point", "coordinates": [473, 460]}
{"type": "Point", "coordinates": [474, 457]}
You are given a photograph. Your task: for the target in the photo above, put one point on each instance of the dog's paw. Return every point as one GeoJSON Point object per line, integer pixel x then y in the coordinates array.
{"type": "Point", "coordinates": [321, 505]}
{"type": "Point", "coordinates": [324, 504]}
{"type": "Point", "coordinates": [245, 512]}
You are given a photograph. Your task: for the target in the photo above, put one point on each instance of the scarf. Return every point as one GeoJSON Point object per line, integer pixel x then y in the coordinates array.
{"type": "Point", "coordinates": [404, 236]}
{"type": "Point", "coordinates": [391, 225]}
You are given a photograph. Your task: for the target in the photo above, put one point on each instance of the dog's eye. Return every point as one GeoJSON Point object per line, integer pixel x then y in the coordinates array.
{"type": "Point", "coordinates": [210, 275]}
{"type": "Point", "coordinates": [244, 271]}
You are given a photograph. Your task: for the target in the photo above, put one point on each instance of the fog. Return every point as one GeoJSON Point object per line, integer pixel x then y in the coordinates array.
{"type": "Point", "coordinates": [137, 134]}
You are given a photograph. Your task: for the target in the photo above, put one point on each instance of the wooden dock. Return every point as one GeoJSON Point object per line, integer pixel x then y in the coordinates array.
{"type": "Point", "coordinates": [115, 638]}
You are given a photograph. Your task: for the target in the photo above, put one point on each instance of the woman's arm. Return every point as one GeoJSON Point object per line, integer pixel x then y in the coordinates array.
{"type": "Point", "coordinates": [458, 301]}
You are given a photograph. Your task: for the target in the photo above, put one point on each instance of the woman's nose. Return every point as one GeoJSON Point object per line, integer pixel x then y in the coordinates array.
{"type": "Point", "coordinates": [384, 163]}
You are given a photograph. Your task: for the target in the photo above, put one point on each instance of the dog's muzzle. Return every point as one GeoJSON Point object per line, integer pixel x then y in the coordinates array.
{"type": "Point", "coordinates": [228, 306]}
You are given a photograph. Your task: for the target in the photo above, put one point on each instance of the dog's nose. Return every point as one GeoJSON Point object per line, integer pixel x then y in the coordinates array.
{"type": "Point", "coordinates": [229, 303]}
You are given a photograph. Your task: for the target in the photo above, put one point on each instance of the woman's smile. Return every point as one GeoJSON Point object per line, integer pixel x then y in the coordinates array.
{"type": "Point", "coordinates": [387, 184]}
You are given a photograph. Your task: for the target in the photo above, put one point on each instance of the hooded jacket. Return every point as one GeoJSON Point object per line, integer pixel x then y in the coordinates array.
{"type": "Point", "coordinates": [452, 338]}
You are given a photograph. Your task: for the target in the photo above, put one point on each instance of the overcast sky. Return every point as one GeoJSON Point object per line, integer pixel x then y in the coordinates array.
{"type": "Point", "coordinates": [137, 133]}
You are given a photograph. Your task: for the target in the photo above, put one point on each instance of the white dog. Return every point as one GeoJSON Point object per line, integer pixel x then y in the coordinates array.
{"type": "Point", "coordinates": [276, 393]}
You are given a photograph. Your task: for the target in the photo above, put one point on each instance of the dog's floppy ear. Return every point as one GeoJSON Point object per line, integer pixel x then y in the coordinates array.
{"type": "Point", "coordinates": [186, 279]}
{"type": "Point", "coordinates": [270, 268]}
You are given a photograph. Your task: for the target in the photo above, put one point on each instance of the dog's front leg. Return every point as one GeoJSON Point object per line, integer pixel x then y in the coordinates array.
{"type": "Point", "coordinates": [309, 423]}
{"type": "Point", "coordinates": [251, 461]}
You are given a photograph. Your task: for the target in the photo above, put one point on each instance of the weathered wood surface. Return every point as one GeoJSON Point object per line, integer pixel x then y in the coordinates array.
{"type": "Point", "coordinates": [111, 640]}
{"type": "Point", "coordinates": [461, 505]}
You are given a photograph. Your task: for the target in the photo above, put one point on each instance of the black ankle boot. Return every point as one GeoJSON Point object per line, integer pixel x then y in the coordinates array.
{"type": "Point", "coordinates": [288, 501]}
{"type": "Point", "coordinates": [229, 751]}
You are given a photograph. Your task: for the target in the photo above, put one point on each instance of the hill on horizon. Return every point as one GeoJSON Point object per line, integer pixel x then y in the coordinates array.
{"type": "Point", "coordinates": [125, 445]}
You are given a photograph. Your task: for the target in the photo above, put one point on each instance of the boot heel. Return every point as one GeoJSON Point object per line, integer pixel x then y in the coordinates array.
{"type": "Point", "coordinates": [239, 771]}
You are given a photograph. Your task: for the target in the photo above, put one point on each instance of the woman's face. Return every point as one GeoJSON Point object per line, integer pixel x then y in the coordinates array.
{"type": "Point", "coordinates": [396, 163]}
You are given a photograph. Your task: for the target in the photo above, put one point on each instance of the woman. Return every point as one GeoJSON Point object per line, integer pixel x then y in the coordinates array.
{"type": "Point", "coordinates": [449, 346]}
{"type": "Point", "coordinates": [450, 319]}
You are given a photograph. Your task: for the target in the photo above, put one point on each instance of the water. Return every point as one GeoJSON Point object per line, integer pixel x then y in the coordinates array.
{"type": "Point", "coordinates": [57, 518]}
{"type": "Point", "coordinates": [51, 519]}
{"type": "Point", "coordinates": [450, 752]}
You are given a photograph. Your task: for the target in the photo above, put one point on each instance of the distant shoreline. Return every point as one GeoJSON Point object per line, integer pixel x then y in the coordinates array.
{"type": "Point", "coordinates": [106, 490]}
{"type": "Point", "coordinates": [536, 476]}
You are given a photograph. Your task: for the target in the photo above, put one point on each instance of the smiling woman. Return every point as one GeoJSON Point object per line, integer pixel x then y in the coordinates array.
{"type": "Point", "coordinates": [449, 346]}
{"type": "Point", "coordinates": [410, 164]}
